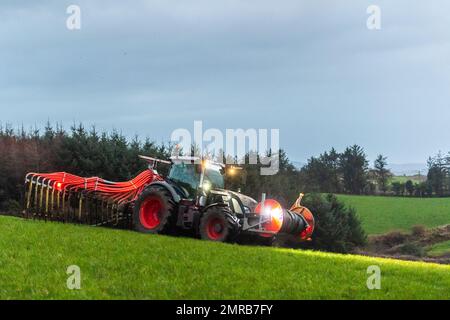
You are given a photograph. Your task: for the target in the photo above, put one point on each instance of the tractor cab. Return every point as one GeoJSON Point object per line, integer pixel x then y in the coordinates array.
{"type": "Point", "coordinates": [190, 177]}
{"type": "Point", "coordinates": [202, 182]}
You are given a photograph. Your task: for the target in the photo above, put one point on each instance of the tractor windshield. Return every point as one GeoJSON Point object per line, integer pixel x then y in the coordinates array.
{"type": "Point", "coordinates": [188, 175]}
{"type": "Point", "coordinates": [214, 175]}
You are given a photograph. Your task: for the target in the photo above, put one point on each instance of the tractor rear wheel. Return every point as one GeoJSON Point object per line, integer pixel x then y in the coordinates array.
{"type": "Point", "coordinates": [154, 211]}
{"type": "Point", "coordinates": [217, 224]}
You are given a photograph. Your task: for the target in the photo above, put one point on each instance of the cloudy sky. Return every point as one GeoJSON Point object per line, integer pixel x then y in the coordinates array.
{"type": "Point", "coordinates": [310, 68]}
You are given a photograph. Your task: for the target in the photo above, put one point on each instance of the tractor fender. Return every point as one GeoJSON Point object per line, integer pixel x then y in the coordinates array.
{"type": "Point", "coordinates": [216, 204]}
{"type": "Point", "coordinates": [176, 197]}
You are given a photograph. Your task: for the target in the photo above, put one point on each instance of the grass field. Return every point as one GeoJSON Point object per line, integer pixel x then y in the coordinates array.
{"type": "Point", "coordinates": [382, 214]}
{"type": "Point", "coordinates": [403, 179]}
{"type": "Point", "coordinates": [439, 249]}
{"type": "Point", "coordinates": [125, 265]}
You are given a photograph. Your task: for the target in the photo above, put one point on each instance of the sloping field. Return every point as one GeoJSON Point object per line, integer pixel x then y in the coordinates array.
{"type": "Point", "coordinates": [382, 214]}
{"type": "Point", "coordinates": [117, 264]}
{"type": "Point", "coordinates": [439, 249]}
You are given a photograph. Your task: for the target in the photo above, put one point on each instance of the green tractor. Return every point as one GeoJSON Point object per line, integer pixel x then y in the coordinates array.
{"type": "Point", "coordinates": [193, 198]}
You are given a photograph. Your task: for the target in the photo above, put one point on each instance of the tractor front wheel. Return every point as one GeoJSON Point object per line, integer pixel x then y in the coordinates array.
{"type": "Point", "coordinates": [218, 225]}
{"type": "Point", "coordinates": [153, 211]}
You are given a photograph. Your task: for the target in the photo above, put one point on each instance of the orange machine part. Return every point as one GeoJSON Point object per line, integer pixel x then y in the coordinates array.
{"type": "Point", "coordinates": [274, 209]}
{"type": "Point", "coordinates": [306, 213]}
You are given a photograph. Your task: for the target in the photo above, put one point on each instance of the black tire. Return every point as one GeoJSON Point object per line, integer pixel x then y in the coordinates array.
{"type": "Point", "coordinates": [218, 224]}
{"type": "Point", "coordinates": [154, 211]}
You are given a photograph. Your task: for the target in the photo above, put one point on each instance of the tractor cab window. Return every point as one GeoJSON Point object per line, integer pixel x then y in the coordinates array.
{"type": "Point", "coordinates": [214, 176]}
{"type": "Point", "coordinates": [186, 175]}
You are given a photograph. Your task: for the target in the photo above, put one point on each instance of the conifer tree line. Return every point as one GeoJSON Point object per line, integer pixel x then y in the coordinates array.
{"type": "Point", "coordinates": [87, 152]}
{"type": "Point", "coordinates": [350, 172]}
{"type": "Point", "coordinates": [79, 151]}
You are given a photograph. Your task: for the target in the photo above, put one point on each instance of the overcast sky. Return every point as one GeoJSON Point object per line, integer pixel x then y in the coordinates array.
{"type": "Point", "coordinates": [310, 68]}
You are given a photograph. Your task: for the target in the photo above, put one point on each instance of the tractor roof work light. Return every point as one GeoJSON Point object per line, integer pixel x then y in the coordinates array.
{"type": "Point", "coordinates": [206, 186]}
{"type": "Point", "coordinates": [232, 170]}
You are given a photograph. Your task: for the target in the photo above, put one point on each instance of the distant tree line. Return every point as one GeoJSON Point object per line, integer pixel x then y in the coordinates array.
{"type": "Point", "coordinates": [86, 152]}
{"type": "Point", "coordinates": [110, 155]}
{"type": "Point", "coordinates": [349, 172]}
{"type": "Point", "coordinates": [334, 172]}
{"type": "Point", "coordinates": [438, 178]}
{"type": "Point", "coordinates": [435, 184]}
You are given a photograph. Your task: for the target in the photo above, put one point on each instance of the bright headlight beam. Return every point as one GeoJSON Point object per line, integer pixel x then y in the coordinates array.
{"type": "Point", "coordinates": [206, 185]}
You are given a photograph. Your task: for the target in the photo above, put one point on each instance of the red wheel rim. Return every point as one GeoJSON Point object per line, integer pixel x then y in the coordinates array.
{"type": "Point", "coordinates": [150, 213]}
{"type": "Point", "coordinates": [215, 228]}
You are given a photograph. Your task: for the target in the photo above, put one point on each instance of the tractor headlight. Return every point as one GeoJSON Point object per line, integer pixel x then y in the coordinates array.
{"type": "Point", "coordinates": [206, 186]}
{"type": "Point", "coordinates": [267, 211]}
{"type": "Point", "coordinates": [272, 214]}
{"type": "Point", "coordinates": [277, 213]}
{"type": "Point", "coordinates": [271, 210]}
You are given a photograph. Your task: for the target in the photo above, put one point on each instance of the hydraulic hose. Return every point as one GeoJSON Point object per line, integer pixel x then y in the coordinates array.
{"type": "Point", "coordinates": [293, 223]}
